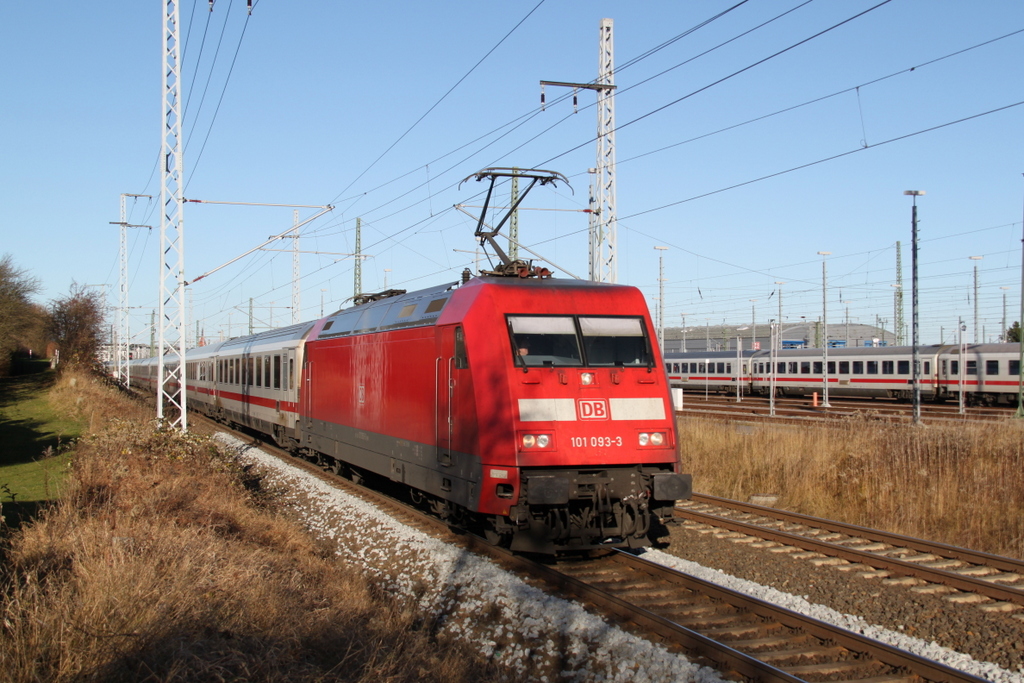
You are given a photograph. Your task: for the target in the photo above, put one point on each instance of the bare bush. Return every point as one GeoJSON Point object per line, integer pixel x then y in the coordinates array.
{"type": "Point", "coordinates": [18, 315]}
{"type": "Point", "coordinates": [76, 324]}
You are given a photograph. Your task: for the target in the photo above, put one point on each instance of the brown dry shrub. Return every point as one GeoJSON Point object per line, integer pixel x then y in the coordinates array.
{"type": "Point", "coordinates": [164, 562]}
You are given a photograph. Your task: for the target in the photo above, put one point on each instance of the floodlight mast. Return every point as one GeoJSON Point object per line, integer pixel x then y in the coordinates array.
{"type": "Point", "coordinates": [508, 266]}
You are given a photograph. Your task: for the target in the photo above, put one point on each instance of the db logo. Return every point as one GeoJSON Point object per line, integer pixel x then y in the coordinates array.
{"type": "Point", "coordinates": [592, 409]}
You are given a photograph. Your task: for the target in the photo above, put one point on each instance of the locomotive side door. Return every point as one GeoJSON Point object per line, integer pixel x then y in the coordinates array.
{"type": "Point", "coordinates": [444, 390]}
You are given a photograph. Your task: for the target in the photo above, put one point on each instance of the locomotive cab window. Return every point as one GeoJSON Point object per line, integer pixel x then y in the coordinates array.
{"type": "Point", "coordinates": [616, 342]}
{"type": "Point", "coordinates": [461, 359]}
{"type": "Point", "coordinates": [539, 341]}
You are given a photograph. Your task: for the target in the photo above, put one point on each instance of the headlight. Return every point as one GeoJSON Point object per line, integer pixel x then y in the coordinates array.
{"type": "Point", "coordinates": [536, 440]}
{"type": "Point", "coordinates": [652, 438]}
{"type": "Point", "coordinates": [587, 378]}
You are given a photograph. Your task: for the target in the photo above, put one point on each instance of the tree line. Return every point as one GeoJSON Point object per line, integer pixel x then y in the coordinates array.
{"type": "Point", "coordinates": [70, 325]}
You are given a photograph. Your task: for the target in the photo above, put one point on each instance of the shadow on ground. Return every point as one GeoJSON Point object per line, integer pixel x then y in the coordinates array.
{"type": "Point", "coordinates": [23, 438]}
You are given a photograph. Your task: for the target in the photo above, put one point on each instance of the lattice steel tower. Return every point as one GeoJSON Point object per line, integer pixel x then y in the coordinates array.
{"type": "Point", "coordinates": [513, 220]}
{"type": "Point", "coordinates": [603, 217]}
{"type": "Point", "coordinates": [123, 328]}
{"type": "Point", "coordinates": [171, 314]}
{"type": "Point", "coordinates": [603, 234]}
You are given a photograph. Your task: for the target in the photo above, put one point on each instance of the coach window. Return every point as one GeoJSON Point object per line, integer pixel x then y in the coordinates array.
{"type": "Point", "coordinates": [903, 367]}
{"type": "Point", "coordinates": [831, 367]}
{"type": "Point", "coordinates": [781, 369]}
{"type": "Point", "coordinates": [792, 367]}
{"type": "Point", "coordinates": [461, 360]}
{"type": "Point", "coordinates": [259, 371]}
{"type": "Point", "coordinates": [805, 367]}
{"type": "Point", "coordinates": [817, 367]}
{"type": "Point", "coordinates": [972, 367]}
{"type": "Point", "coordinates": [888, 367]}
{"type": "Point", "coordinates": [266, 371]}
{"type": "Point", "coordinates": [248, 370]}
{"type": "Point", "coordinates": [992, 367]}
{"type": "Point", "coordinates": [1015, 367]}
{"type": "Point", "coordinates": [291, 373]}
{"type": "Point", "coordinates": [284, 372]}
{"type": "Point", "coordinates": [927, 367]}
{"type": "Point", "coordinates": [723, 369]}
{"type": "Point", "coordinates": [858, 367]}
{"type": "Point", "coordinates": [954, 367]}
{"type": "Point", "coordinates": [277, 372]}
{"type": "Point", "coordinates": [844, 367]}
{"type": "Point", "coordinates": [700, 368]}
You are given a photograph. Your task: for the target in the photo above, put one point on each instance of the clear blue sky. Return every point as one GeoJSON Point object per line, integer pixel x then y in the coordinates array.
{"type": "Point", "coordinates": [322, 104]}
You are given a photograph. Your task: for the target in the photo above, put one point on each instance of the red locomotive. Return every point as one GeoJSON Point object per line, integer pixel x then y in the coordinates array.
{"type": "Point", "coordinates": [533, 410]}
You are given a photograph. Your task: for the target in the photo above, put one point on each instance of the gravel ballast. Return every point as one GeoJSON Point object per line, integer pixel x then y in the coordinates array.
{"type": "Point", "coordinates": [535, 636]}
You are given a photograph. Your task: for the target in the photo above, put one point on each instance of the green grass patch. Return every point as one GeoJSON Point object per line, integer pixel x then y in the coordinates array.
{"type": "Point", "coordinates": [32, 436]}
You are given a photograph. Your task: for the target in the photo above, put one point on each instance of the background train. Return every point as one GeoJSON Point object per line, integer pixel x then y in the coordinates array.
{"type": "Point", "coordinates": [987, 374]}
{"type": "Point", "coordinates": [533, 410]}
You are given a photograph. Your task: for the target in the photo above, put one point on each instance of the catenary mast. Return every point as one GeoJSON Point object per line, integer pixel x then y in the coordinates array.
{"type": "Point", "coordinates": [603, 220]}
{"type": "Point", "coordinates": [171, 313]}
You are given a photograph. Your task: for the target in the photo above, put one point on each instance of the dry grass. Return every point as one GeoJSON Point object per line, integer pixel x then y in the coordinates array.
{"type": "Point", "coordinates": [961, 484]}
{"type": "Point", "coordinates": [165, 561]}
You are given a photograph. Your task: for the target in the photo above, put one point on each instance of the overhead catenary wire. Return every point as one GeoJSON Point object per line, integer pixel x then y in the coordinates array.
{"type": "Point", "coordinates": [396, 235]}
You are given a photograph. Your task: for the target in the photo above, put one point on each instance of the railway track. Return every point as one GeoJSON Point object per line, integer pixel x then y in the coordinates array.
{"type": "Point", "coordinates": [803, 409]}
{"type": "Point", "coordinates": [741, 636]}
{"type": "Point", "coordinates": [994, 583]}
